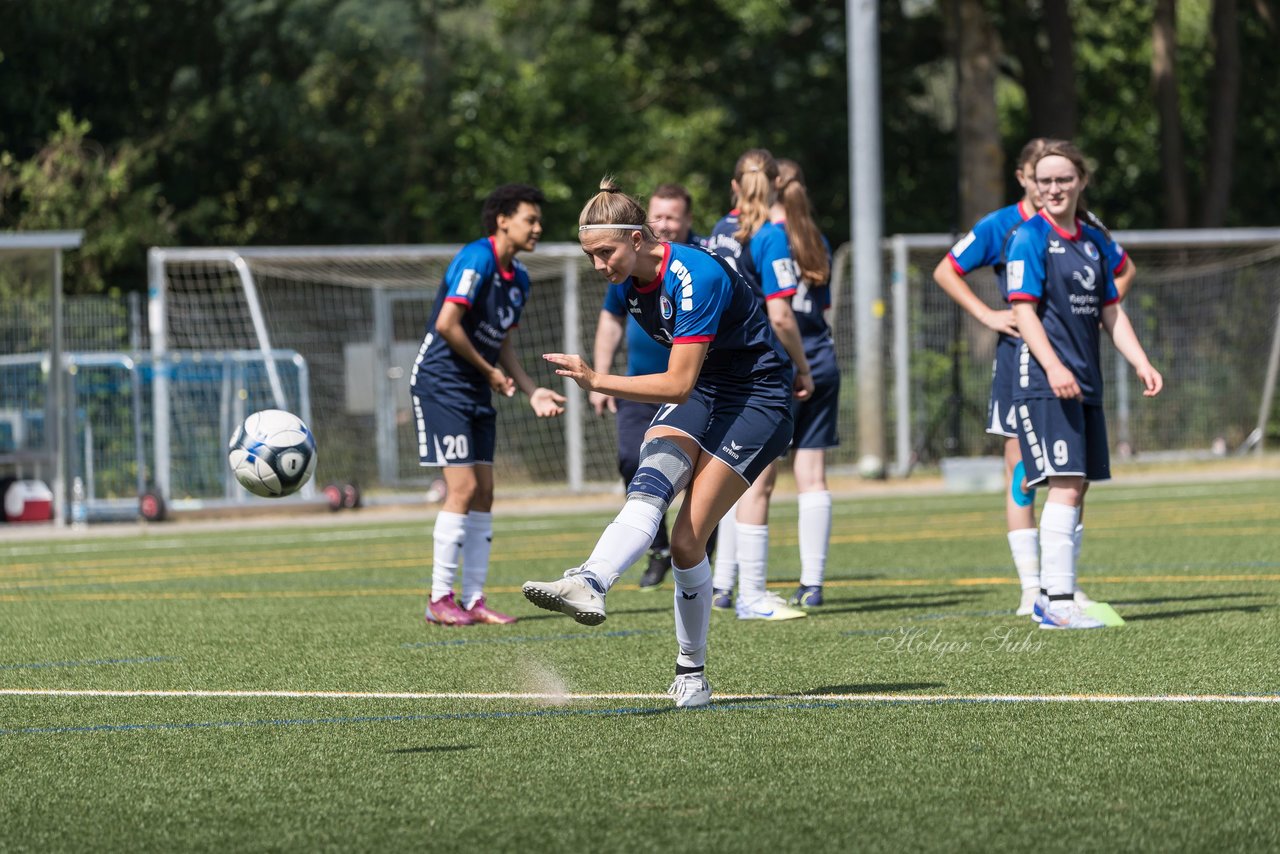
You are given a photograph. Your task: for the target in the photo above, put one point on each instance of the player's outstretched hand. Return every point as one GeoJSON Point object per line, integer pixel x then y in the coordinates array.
{"type": "Point", "coordinates": [1002, 322]}
{"type": "Point", "coordinates": [574, 368]}
{"type": "Point", "coordinates": [802, 387]}
{"type": "Point", "coordinates": [546, 402]}
{"type": "Point", "coordinates": [1063, 383]}
{"type": "Point", "coordinates": [501, 383]}
{"type": "Point", "coordinates": [1152, 382]}
{"type": "Point", "coordinates": [600, 402]}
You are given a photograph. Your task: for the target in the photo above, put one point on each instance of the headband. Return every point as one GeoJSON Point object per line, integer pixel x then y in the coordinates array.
{"type": "Point", "coordinates": [607, 225]}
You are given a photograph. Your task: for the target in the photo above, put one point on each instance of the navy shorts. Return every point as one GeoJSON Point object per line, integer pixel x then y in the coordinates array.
{"type": "Point", "coordinates": [816, 417]}
{"type": "Point", "coordinates": [745, 433]}
{"type": "Point", "coordinates": [454, 433]}
{"type": "Point", "coordinates": [1063, 437]}
{"type": "Point", "coordinates": [633, 421]}
{"type": "Point", "coordinates": [1002, 418]}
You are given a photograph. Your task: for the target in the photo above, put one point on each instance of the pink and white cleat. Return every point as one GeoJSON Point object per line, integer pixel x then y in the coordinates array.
{"type": "Point", "coordinates": [479, 612]}
{"type": "Point", "coordinates": [446, 612]}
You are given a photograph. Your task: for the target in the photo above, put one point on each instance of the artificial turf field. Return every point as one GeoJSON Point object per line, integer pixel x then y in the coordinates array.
{"type": "Point", "coordinates": [913, 711]}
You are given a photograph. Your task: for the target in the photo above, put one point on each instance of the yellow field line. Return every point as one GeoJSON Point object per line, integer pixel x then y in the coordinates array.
{"type": "Point", "coordinates": [195, 595]}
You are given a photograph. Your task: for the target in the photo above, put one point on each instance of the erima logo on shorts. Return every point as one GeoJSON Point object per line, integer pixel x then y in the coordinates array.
{"type": "Point", "coordinates": [731, 449]}
{"type": "Point", "coordinates": [1013, 275]}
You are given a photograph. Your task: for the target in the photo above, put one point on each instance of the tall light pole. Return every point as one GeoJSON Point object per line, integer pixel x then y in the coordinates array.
{"type": "Point", "coordinates": [866, 206]}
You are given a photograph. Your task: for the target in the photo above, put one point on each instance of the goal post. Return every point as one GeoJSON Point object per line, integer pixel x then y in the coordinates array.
{"type": "Point", "coordinates": [356, 316]}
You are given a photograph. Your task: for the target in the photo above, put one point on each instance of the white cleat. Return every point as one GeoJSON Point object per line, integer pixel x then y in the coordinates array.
{"type": "Point", "coordinates": [1082, 599]}
{"type": "Point", "coordinates": [690, 690]}
{"type": "Point", "coordinates": [1028, 603]}
{"type": "Point", "coordinates": [1068, 615]}
{"type": "Point", "coordinates": [570, 595]}
{"type": "Point", "coordinates": [770, 606]}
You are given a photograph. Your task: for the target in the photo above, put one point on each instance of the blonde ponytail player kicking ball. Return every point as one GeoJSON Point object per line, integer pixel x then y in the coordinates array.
{"type": "Point", "coordinates": [727, 414]}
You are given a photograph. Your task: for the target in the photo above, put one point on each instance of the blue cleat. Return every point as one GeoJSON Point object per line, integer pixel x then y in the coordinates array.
{"type": "Point", "coordinates": [807, 596]}
{"type": "Point", "coordinates": [722, 600]}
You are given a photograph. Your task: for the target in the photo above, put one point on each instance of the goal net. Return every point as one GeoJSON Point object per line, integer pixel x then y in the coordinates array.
{"type": "Point", "coordinates": [331, 334]}
{"type": "Point", "coordinates": [1205, 305]}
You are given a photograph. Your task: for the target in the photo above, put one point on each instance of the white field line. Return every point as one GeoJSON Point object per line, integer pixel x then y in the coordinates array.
{"type": "Point", "coordinates": [560, 698]}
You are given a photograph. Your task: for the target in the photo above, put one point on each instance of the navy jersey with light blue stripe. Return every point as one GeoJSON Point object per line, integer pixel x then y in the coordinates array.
{"type": "Point", "coordinates": [764, 260]}
{"type": "Point", "coordinates": [697, 297]}
{"type": "Point", "coordinates": [494, 299]}
{"type": "Point", "coordinates": [809, 304]}
{"type": "Point", "coordinates": [1070, 279]}
{"type": "Point", "coordinates": [644, 355]}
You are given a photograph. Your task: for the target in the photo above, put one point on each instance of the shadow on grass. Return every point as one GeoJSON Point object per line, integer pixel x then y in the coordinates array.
{"type": "Point", "coordinates": [1194, 612]}
{"type": "Point", "coordinates": [1161, 600]}
{"type": "Point", "coordinates": [435, 748]}
{"type": "Point", "coordinates": [952, 599]}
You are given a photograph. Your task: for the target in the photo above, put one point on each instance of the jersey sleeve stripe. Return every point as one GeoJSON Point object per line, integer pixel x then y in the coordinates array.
{"type": "Point", "coordinates": [789, 292]}
{"type": "Point", "coordinates": [459, 301]}
{"type": "Point", "coordinates": [955, 265]}
{"type": "Point", "coordinates": [1124, 260]}
{"type": "Point", "coordinates": [693, 339]}
{"type": "Point", "coordinates": [1022, 298]}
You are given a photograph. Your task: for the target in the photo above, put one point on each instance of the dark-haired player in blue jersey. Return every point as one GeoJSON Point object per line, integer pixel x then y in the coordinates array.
{"type": "Point", "coordinates": [816, 427]}
{"type": "Point", "coordinates": [468, 353]}
{"type": "Point", "coordinates": [671, 218]}
{"type": "Point", "coordinates": [984, 247]}
{"type": "Point", "coordinates": [1060, 284]}
{"type": "Point", "coordinates": [758, 249]}
{"type": "Point", "coordinates": [726, 414]}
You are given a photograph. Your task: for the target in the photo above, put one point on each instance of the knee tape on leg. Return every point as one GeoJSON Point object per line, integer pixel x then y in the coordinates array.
{"type": "Point", "coordinates": [1021, 497]}
{"type": "Point", "coordinates": [664, 471]}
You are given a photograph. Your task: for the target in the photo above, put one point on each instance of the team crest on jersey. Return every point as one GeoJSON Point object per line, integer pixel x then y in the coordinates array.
{"type": "Point", "coordinates": [1091, 250]}
{"type": "Point", "coordinates": [665, 305]}
{"type": "Point", "coordinates": [516, 296]}
{"type": "Point", "coordinates": [1085, 277]}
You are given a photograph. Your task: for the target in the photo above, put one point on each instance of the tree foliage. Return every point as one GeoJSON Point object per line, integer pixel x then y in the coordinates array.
{"type": "Point", "coordinates": [385, 121]}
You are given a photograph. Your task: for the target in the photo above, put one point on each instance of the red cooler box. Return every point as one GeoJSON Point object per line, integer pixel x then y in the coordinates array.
{"type": "Point", "coordinates": [28, 501]}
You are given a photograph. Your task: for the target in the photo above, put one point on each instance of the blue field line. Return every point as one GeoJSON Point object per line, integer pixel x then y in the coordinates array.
{"type": "Point", "coordinates": [456, 716]}
{"type": "Point", "coordinates": [534, 638]}
{"type": "Point", "coordinates": [97, 662]}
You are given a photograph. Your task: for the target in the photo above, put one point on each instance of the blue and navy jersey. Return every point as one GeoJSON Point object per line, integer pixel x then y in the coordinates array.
{"type": "Point", "coordinates": [984, 246]}
{"type": "Point", "coordinates": [493, 298]}
{"type": "Point", "coordinates": [644, 355]}
{"type": "Point", "coordinates": [697, 297]}
{"type": "Point", "coordinates": [809, 303]}
{"type": "Point", "coordinates": [1070, 278]}
{"type": "Point", "coordinates": [764, 260]}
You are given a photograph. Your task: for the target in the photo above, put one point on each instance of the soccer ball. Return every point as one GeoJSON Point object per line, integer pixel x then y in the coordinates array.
{"type": "Point", "coordinates": [272, 453]}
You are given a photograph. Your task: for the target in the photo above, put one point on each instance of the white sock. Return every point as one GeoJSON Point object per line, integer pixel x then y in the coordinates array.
{"type": "Point", "coordinates": [1057, 548]}
{"type": "Point", "coordinates": [753, 557]}
{"type": "Point", "coordinates": [475, 556]}
{"type": "Point", "coordinates": [1024, 543]}
{"type": "Point", "coordinates": [1078, 543]}
{"type": "Point", "coordinates": [693, 613]}
{"type": "Point", "coordinates": [727, 551]}
{"type": "Point", "coordinates": [815, 536]}
{"type": "Point", "coordinates": [628, 536]}
{"type": "Point", "coordinates": [448, 535]}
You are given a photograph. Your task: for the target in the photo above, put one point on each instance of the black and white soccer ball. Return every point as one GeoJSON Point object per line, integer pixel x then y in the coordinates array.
{"type": "Point", "coordinates": [272, 453]}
